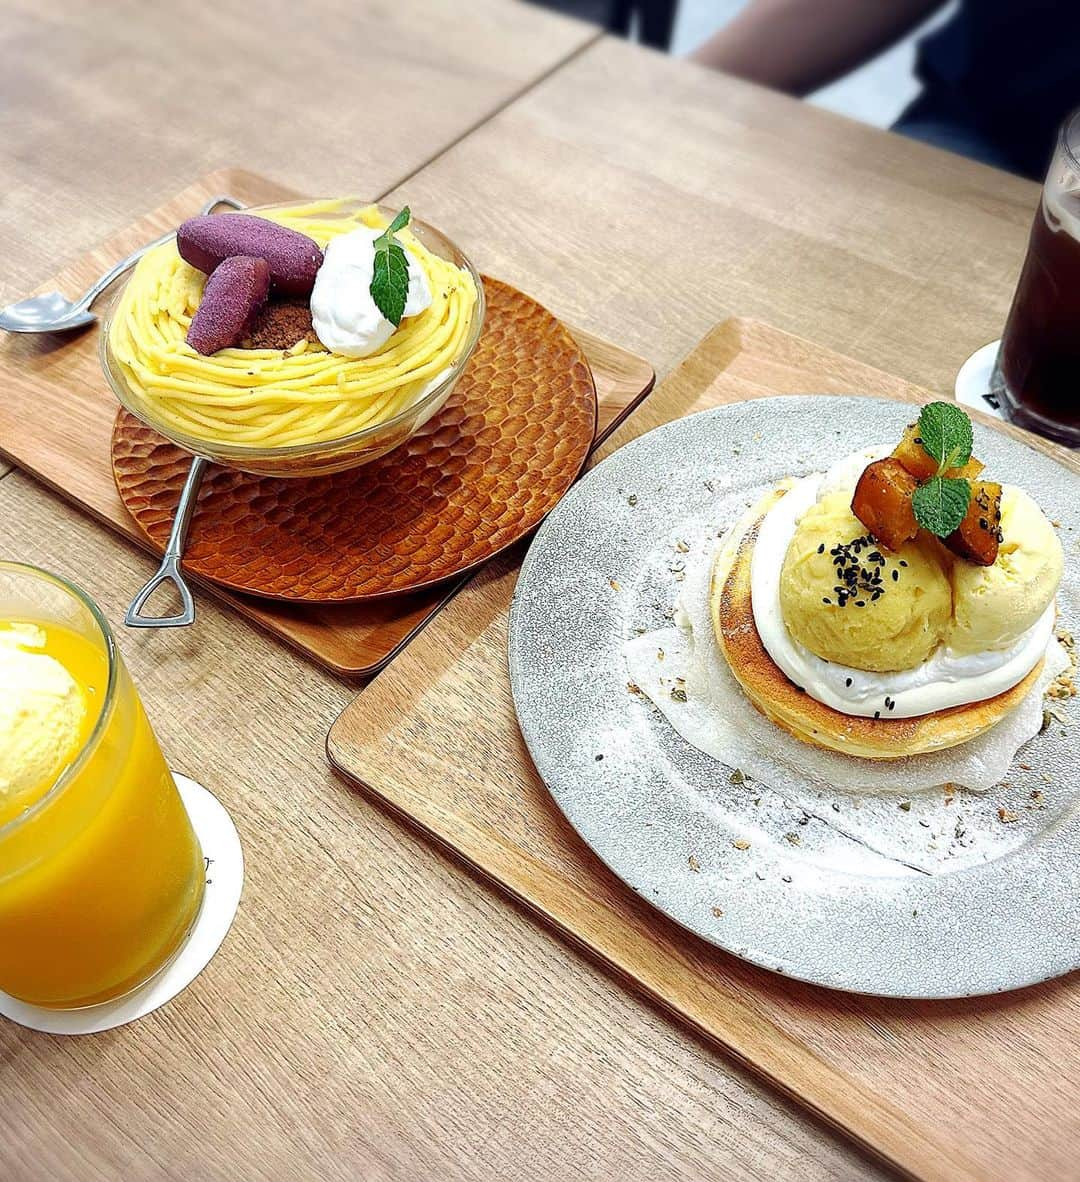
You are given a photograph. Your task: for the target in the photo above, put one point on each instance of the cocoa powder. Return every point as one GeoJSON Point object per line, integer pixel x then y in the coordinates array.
{"type": "Point", "coordinates": [280, 324]}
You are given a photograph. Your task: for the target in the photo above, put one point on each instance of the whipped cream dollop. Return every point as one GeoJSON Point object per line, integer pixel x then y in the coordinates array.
{"type": "Point", "coordinates": [946, 679]}
{"type": "Point", "coordinates": [345, 317]}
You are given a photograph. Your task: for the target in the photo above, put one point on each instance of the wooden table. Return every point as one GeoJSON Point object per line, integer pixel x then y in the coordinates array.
{"type": "Point", "coordinates": [376, 1011]}
{"type": "Point", "coordinates": [111, 107]}
{"type": "Point", "coordinates": [648, 199]}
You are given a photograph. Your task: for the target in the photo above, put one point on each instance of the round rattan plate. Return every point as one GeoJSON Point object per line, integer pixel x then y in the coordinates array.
{"type": "Point", "coordinates": [481, 474]}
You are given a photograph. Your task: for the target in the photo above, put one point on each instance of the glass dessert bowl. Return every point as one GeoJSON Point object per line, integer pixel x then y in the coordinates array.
{"type": "Point", "coordinates": [300, 415]}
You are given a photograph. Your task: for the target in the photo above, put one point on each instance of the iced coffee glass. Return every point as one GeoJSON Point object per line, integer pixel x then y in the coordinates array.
{"type": "Point", "coordinates": [101, 875]}
{"type": "Point", "coordinates": [1037, 376]}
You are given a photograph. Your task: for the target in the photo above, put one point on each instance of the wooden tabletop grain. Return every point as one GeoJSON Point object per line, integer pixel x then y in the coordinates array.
{"type": "Point", "coordinates": [109, 108]}
{"type": "Point", "coordinates": [650, 198]}
{"type": "Point", "coordinates": [376, 1011]}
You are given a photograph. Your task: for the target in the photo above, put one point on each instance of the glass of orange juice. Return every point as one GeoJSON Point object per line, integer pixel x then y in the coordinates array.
{"type": "Point", "coordinates": [101, 875]}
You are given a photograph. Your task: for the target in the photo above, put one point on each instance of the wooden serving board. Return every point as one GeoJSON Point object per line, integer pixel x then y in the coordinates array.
{"type": "Point", "coordinates": [57, 413]}
{"type": "Point", "coordinates": [982, 1088]}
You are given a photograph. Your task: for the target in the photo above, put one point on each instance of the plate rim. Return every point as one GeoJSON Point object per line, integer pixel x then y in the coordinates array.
{"type": "Point", "coordinates": [518, 675]}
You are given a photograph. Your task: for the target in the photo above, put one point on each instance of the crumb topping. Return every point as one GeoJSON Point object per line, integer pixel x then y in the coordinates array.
{"type": "Point", "coordinates": [281, 324]}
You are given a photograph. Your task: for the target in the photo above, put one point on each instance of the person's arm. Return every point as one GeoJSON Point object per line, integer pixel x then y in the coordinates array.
{"type": "Point", "coordinates": [799, 45]}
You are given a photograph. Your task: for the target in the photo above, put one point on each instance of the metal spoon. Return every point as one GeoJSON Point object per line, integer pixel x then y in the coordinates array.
{"type": "Point", "coordinates": [54, 312]}
{"type": "Point", "coordinates": [169, 570]}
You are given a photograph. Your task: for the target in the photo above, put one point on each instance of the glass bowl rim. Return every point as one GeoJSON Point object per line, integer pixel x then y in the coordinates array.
{"type": "Point", "coordinates": [223, 451]}
{"type": "Point", "coordinates": [112, 654]}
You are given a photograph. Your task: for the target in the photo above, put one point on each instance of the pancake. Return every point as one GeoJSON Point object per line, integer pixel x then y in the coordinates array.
{"type": "Point", "coordinates": [784, 704]}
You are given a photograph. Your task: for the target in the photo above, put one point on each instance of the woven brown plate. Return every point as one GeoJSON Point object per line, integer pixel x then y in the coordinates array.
{"type": "Point", "coordinates": [481, 474]}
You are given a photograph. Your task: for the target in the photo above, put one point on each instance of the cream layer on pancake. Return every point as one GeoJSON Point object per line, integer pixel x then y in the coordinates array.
{"type": "Point", "coordinates": [947, 678]}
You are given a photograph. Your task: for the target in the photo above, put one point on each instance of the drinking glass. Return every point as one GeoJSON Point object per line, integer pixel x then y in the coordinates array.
{"type": "Point", "coordinates": [101, 875]}
{"type": "Point", "coordinates": [1037, 372]}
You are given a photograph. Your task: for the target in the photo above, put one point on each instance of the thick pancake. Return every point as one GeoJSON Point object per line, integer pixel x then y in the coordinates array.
{"type": "Point", "coordinates": [777, 697]}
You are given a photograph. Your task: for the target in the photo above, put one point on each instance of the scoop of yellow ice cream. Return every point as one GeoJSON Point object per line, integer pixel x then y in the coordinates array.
{"type": "Point", "coordinates": [993, 605]}
{"type": "Point", "coordinates": [42, 710]}
{"type": "Point", "coordinates": [892, 610]}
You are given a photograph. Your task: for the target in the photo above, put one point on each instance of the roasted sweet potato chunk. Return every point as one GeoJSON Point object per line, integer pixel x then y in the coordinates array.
{"type": "Point", "coordinates": [910, 452]}
{"type": "Point", "coordinates": [882, 502]}
{"type": "Point", "coordinates": [979, 534]}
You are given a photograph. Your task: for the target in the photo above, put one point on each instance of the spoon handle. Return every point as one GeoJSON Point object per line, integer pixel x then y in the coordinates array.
{"type": "Point", "coordinates": [169, 570]}
{"type": "Point", "coordinates": [119, 268]}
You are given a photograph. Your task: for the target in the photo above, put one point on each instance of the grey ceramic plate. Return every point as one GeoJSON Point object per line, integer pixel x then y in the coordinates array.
{"type": "Point", "coordinates": [1000, 914]}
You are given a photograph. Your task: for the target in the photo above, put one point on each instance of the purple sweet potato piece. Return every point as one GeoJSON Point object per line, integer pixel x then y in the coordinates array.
{"type": "Point", "coordinates": [293, 258]}
{"type": "Point", "coordinates": [233, 296]}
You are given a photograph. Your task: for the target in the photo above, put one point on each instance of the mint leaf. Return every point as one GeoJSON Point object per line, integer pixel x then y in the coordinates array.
{"type": "Point", "coordinates": [390, 281]}
{"type": "Point", "coordinates": [945, 432]}
{"type": "Point", "coordinates": [390, 275]}
{"type": "Point", "coordinates": [940, 503]}
{"type": "Point", "coordinates": [399, 222]}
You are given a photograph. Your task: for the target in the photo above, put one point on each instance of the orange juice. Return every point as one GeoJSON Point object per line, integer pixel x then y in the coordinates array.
{"type": "Point", "coordinates": [101, 876]}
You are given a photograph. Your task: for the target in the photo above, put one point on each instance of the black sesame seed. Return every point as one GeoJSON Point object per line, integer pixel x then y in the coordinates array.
{"type": "Point", "coordinates": [860, 603]}
{"type": "Point", "coordinates": [877, 713]}
{"type": "Point", "coordinates": [895, 575]}
{"type": "Point", "coordinates": [902, 562]}
{"type": "Point", "coordinates": [821, 548]}
{"type": "Point", "coordinates": [847, 681]}
{"type": "Point", "coordinates": [825, 599]}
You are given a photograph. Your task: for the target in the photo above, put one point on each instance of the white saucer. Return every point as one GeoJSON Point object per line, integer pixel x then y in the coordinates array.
{"type": "Point", "coordinates": [224, 881]}
{"type": "Point", "coordinates": [973, 381]}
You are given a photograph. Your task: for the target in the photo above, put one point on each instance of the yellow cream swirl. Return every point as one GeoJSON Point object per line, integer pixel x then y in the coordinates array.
{"type": "Point", "coordinates": [266, 398]}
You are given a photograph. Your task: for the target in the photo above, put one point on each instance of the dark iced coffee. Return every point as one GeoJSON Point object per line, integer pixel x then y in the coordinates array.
{"type": "Point", "coordinates": [1038, 371]}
